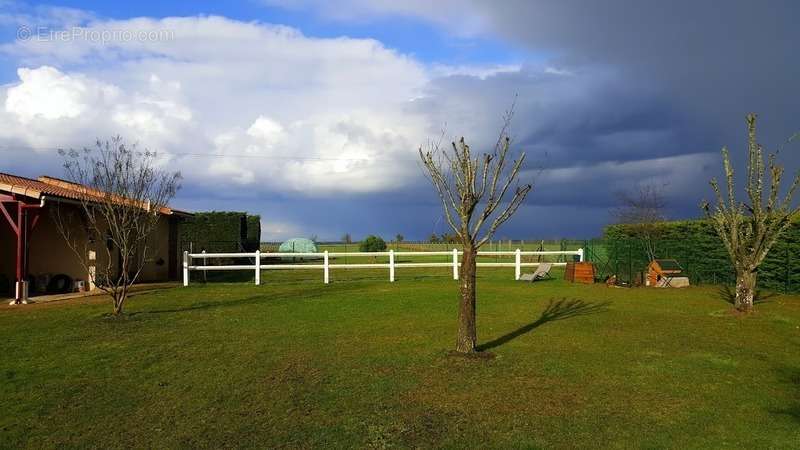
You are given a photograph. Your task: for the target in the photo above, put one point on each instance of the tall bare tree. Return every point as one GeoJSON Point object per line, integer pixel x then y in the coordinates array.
{"type": "Point", "coordinates": [122, 194]}
{"type": "Point", "coordinates": [748, 230]}
{"type": "Point", "coordinates": [642, 212]}
{"type": "Point", "coordinates": [471, 188]}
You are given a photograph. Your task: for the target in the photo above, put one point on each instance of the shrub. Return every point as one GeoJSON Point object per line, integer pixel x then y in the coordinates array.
{"type": "Point", "coordinates": [372, 244]}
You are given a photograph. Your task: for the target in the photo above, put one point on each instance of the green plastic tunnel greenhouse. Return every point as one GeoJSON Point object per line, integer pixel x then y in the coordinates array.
{"type": "Point", "coordinates": [298, 245]}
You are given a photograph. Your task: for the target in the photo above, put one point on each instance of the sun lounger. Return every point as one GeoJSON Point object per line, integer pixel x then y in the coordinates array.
{"type": "Point", "coordinates": [543, 271]}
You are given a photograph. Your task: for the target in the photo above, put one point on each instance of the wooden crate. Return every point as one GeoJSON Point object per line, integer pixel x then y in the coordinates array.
{"type": "Point", "coordinates": [579, 272]}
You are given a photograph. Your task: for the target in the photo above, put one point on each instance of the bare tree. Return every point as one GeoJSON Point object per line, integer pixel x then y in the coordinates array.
{"type": "Point", "coordinates": [642, 213]}
{"type": "Point", "coordinates": [122, 193]}
{"type": "Point", "coordinates": [748, 230]}
{"type": "Point", "coordinates": [471, 189]}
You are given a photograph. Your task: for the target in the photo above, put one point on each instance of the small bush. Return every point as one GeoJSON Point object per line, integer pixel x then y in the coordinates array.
{"type": "Point", "coordinates": [372, 244]}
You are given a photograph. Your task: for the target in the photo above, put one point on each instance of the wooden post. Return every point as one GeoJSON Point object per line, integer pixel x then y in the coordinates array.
{"type": "Point", "coordinates": [517, 266]}
{"type": "Point", "coordinates": [258, 267]}
{"type": "Point", "coordinates": [455, 263]}
{"type": "Point", "coordinates": [580, 255]}
{"type": "Point", "coordinates": [185, 268]}
{"type": "Point", "coordinates": [391, 266]}
{"type": "Point", "coordinates": [326, 268]}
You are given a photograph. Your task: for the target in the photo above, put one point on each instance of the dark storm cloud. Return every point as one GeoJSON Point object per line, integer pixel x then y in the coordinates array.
{"type": "Point", "coordinates": [719, 60]}
{"type": "Point", "coordinates": [645, 92]}
{"type": "Point", "coordinates": [588, 133]}
{"type": "Point", "coordinates": [587, 116]}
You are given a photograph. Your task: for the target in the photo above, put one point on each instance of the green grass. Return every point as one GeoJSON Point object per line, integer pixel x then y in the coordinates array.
{"type": "Point", "coordinates": [363, 363]}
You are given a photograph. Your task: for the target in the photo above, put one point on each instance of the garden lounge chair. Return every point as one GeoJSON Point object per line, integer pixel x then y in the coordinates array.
{"type": "Point", "coordinates": [542, 272]}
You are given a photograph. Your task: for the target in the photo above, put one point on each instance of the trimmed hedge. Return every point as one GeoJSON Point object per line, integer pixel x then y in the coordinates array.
{"type": "Point", "coordinates": [253, 238]}
{"type": "Point", "coordinates": [221, 231]}
{"type": "Point", "coordinates": [698, 249]}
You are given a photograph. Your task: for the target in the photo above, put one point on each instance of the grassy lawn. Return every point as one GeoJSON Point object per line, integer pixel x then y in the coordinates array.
{"type": "Point", "coordinates": [363, 363]}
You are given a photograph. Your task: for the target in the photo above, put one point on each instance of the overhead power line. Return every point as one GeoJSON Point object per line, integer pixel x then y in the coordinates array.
{"type": "Point", "coordinates": [224, 155]}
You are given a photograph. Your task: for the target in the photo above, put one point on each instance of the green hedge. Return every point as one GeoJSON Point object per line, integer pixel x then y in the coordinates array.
{"type": "Point", "coordinates": [215, 231]}
{"type": "Point", "coordinates": [698, 249]}
{"type": "Point", "coordinates": [253, 235]}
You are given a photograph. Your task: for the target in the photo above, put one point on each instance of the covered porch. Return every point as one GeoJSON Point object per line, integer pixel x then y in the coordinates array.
{"type": "Point", "coordinates": [21, 217]}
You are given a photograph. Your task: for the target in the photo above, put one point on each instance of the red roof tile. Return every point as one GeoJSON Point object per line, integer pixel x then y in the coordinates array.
{"type": "Point", "coordinates": [55, 187]}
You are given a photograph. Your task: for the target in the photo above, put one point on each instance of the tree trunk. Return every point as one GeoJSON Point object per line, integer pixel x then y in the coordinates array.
{"type": "Point", "coordinates": [119, 301]}
{"type": "Point", "coordinates": [467, 335]}
{"type": "Point", "coordinates": [745, 290]}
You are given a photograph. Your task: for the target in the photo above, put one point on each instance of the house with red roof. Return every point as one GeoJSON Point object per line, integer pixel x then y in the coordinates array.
{"type": "Point", "coordinates": [35, 257]}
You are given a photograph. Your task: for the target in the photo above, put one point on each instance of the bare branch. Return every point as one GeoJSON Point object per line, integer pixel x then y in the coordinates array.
{"type": "Point", "coordinates": [121, 194]}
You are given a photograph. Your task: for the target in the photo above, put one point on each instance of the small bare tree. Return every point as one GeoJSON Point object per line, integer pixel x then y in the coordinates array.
{"type": "Point", "coordinates": [642, 213]}
{"type": "Point", "coordinates": [748, 230]}
{"type": "Point", "coordinates": [122, 192]}
{"type": "Point", "coordinates": [471, 189]}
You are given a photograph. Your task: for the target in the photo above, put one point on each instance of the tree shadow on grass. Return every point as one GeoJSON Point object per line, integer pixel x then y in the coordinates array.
{"type": "Point", "coordinates": [555, 310]}
{"type": "Point", "coordinates": [202, 305]}
{"type": "Point", "coordinates": [790, 375]}
{"type": "Point", "coordinates": [728, 294]}
{"type": "Point", "coordinates": [266, 297]}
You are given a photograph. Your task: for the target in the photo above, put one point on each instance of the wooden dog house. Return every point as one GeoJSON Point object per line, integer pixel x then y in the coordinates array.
{"type": "Point", "coordinates": [661, 272]}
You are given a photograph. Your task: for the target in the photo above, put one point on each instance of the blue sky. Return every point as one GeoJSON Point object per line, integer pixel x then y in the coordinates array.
{"type": "Point", "coordinates": [310, 112]}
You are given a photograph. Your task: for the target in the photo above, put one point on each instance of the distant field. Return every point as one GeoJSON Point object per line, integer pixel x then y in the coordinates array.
{"type": "Point", "coordinates": [362, 363]}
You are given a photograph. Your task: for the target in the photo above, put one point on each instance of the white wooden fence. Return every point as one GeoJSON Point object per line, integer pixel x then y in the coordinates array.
{"type": "Point", "coordinates": [326, 266]}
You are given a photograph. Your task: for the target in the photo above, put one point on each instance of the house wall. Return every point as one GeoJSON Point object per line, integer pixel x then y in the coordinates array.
{"type": "Point", "coordinates": [156, 266]}
{"type": "Point", "coordinates": [50, 254]}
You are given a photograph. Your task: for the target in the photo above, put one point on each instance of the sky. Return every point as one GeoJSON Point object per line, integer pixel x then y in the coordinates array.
{"type": "Point", "coordinates": [311, 112]}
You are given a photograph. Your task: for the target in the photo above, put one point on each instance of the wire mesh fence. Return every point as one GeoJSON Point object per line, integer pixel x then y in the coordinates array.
{"type": "Point", "coordinates": [702, 262]}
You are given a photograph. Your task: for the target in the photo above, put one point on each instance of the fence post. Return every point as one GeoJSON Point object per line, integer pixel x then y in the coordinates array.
{"type": "Point", "coordinates": [580, 255]}
{"type": "Point", "coordinates": [517, 266]}
{"type": "Point", "coordinates": [391, 265]}
{"type": "Point", "coordinates": [205, 272]}
{"type": "Point", "coordinates": [258, 267]}
{"type": "Point", "coordinates": [455, 263]}
{"type": "Point", "coordinates": [326, 267]}
{"type": "Point", "coordinates": [185, 268]}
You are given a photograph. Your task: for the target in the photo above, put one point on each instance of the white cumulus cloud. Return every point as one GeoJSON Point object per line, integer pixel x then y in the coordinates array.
{"type": "Point", "coordinates": [46, 93]}
{"type": "Point", "coordinates": [279, 110]}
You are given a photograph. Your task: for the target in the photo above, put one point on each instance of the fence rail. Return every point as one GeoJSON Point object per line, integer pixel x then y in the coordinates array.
{"type": "Point", "coordinates": [326, 266]}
